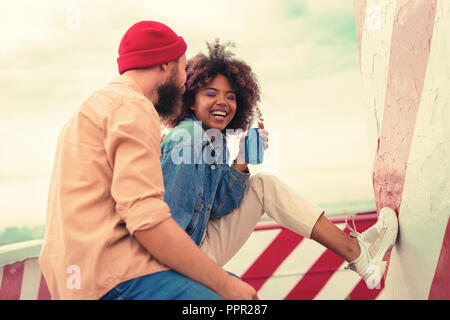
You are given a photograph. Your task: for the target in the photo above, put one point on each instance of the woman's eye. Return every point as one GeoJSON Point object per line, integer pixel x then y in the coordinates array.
{"type": "Point", "coordinates": [210, 93]}
{"type": "Point", "coordinates": [231, 96]}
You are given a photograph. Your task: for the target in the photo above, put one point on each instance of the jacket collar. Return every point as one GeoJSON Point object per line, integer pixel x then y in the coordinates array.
{"type": "Point", "coordinates": [204, 138]}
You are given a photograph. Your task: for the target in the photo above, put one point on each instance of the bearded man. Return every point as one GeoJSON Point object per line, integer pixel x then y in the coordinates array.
{"type": "Point", "coordinates": [108, 230]}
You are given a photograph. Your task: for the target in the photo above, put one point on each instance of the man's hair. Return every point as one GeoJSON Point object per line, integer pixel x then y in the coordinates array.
{"type": "Point", "coordinates": [202, 69]}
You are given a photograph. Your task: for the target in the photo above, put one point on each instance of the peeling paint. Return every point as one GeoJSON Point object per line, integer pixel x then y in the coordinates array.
{"type": "Point", "coordinates": [406, 78]}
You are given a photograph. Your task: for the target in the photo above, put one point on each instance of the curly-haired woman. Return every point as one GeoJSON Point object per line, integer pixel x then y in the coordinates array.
{"type": "Point", "coordinates": [218, 204]}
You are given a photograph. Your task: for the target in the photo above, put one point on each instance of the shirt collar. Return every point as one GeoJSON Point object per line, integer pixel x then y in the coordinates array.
{"type": "Point", "coordinates": [127, 81]}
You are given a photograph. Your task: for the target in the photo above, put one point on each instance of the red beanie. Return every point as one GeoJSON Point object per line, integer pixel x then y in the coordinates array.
{"type": "Point", "coordinates": [147, 44]}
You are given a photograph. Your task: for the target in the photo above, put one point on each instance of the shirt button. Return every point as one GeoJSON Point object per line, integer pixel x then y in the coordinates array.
{"type": "Point", "coordinates": [213, 167]}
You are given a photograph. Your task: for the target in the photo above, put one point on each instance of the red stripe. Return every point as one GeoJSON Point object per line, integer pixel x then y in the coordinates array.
{"type": "Point", "coordinates": [361, 219]}
{"type": "Point", "coordinates": [361, 225]}
{"type": "Point", "coordinates": [316, 277]}
{"type": "Point", "coordinates": [362, 292]}
{"type": "Point", "coordinates": [271, 258]}
{"type": "Point", "coordinates": [44, 293]}
{"type": "Point", "coordinates": [363, 216]}
{"type": "Point", "coordinates": [324, 268]}
{"type": "Point", "coordinates": [12, 281]}
{"type": "Point", "coordinates": [440, 287]}
{"type": "Point", "coordinates": [410, 48]}
{"type": "Point", "coordinates": [268, 227]}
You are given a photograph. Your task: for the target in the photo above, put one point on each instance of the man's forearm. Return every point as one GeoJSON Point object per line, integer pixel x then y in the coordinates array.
{"type": "Point", "coordinates": [170, 244]}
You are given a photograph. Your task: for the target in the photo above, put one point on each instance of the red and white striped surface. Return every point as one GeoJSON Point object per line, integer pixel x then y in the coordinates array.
{"type": "Point", "coordinates": [23, 280]}
{"type": "Point", "coordinates": [404, 47]}
{"type": "Point", "coordinates": [280, 264]}
{"type": "Point", "coordinates": [277, 262]}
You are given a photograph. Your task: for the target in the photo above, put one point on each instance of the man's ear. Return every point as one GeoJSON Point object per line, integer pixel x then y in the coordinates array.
{"type": "Point", "coordinates": [164, 66]}
{"type": "Point", "coordinates": [192, 108]}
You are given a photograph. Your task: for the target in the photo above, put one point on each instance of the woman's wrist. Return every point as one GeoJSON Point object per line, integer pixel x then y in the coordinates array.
{"type": "Point", "coordinates": [241, 167]}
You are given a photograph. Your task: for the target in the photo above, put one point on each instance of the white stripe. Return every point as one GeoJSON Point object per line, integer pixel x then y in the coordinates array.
{"type": "Point", "coordinates": [278, 287]}
{"type": "Point", "coordinates": [292, 270]}
{"type": "Point", "coordinates": [31, 280]}
{"type": "Point", "coordinates": [425, 206]}
{"type": "Point", "coordinates": [301, 258]}
{"type": "Point", "coordinates": [1, 276]}
{"type": "Point", "coordinates": [339, 285]}
{"type": "Point", "coordinates": [375, 56]}
{"type": "Point", "coordinates": [251, 250]}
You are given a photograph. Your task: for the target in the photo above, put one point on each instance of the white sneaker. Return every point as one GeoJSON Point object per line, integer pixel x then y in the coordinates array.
{"type": "Point", "coordinates": [374, 243]}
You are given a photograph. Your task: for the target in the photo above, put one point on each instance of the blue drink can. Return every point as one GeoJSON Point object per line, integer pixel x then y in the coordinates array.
{"type": "Point", "coordinates": [254, 147]}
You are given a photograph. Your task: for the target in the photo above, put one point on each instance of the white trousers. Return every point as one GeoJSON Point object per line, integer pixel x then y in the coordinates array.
{"type": "Point", "coordinates": [264, 193]}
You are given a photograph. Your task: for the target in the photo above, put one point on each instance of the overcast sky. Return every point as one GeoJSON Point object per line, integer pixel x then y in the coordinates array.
{"type": "Point", "coordinates": [54, 54]}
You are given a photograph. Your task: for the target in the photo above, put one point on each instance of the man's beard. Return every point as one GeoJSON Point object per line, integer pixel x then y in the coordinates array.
{"type": "Point", "coordinates": [169, 100]}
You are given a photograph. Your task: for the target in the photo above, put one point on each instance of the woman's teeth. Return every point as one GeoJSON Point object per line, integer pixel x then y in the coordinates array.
{"type": "Point", "coordinates": [219, 114]}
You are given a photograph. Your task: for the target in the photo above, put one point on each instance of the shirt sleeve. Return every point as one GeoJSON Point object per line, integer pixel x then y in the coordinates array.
{"type": "Point", "coordinates": [132, 144]}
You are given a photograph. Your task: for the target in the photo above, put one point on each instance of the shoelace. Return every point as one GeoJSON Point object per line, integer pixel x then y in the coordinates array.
{"type": "Point", "coordinates": [353, 232]}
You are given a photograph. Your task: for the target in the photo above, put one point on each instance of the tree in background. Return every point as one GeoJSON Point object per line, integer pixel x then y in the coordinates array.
{"type": "Point", "coordinates": [16, 234]}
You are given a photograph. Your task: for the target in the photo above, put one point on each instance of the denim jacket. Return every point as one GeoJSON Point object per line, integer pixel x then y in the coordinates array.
{"type": "Point", "coordinates": [199, 184]}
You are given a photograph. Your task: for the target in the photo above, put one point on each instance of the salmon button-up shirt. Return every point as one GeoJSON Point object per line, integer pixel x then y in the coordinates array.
{"type": "Point", "coordinates": [106, 184]}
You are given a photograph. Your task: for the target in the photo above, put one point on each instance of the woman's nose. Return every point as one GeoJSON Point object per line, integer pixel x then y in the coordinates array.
{"type": "Point", "coordinates": [221, 100]}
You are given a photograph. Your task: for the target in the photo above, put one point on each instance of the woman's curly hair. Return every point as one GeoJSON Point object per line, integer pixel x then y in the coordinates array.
{"type": "Point", "coordinates": [201, 69]}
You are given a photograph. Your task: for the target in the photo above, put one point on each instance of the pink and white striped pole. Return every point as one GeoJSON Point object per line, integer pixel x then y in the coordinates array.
{"type": "Point", "coordinates": [404, 48]}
